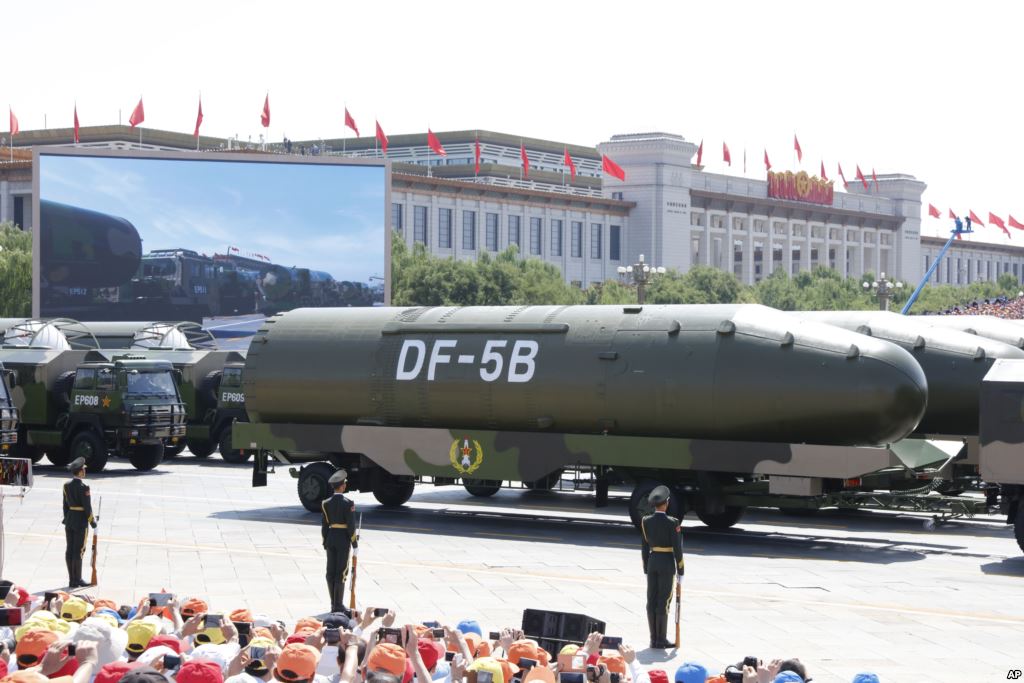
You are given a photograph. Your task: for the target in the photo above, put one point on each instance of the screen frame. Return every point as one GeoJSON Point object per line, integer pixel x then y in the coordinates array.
{"type": "Point", "coordinates": [191, 155]}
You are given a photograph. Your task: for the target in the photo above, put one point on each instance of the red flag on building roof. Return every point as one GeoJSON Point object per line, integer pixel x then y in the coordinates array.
{"type": "Point", "coordinates": [840, 167]}
{"type": "Point", "coordinates": [861, 178]}
{"type": "Point", "coordinates": [1014, 223]}
{"type": "Point", "coordinates": [612, 168]}
{"type": "Point", "coordinates": [476, 156]}
{"type": "Point", "coordinates": [700, 151]}
{"type": "Point", "coordinates": [13, 121]}
{"type": "Point", "coordinates": [351, 122]}
{"type": "Point", "coordinates": [526, 161]}
{"type": "Point", "coordinates": [76, 123]}
{"type": "Point", "coordinates": [796, 146]}
{"type": "Point", "coordinates": [381, 138]}
{"type": "Point", "coordinates": [874, 177]}
{"type": "Point", "coordinates": [996, 220]}
{"type": "Point", "coordinates": [199, 118]}
{"type": "Point", "coordinates": [265, 116]}
{"type": "Point", "coordinates": [823, 176]}
{"type": "Point", "coordinates": [568, 162]}
{"type": "Point", "coordinates": [434, 144]}
{"type": "Point", "coordinates": [138, 114]}
{"type": "Point", "coordinates": [933, 212]}
{"type": "Point", "coordinates": [951, 214]}
{"type": "Point", "coordinates": [974, 219]}
{"type": "Point", "coordinates": [726, 157]}
{"type": "Point", "coordinates": [767, 164]}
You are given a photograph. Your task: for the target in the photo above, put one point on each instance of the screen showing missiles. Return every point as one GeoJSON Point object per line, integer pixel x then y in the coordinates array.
{"type": "Point", "coordinates": [222, 241]}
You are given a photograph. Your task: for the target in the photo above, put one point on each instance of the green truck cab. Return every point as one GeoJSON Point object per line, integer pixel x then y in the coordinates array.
{"type": "Point", "coordinates": [94, 404]}
{"type": "Point", "coordinates": [8, 415]}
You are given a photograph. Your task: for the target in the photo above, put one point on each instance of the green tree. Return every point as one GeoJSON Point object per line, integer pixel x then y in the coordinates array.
{"type": "Point", "coordinates": [15, 272]}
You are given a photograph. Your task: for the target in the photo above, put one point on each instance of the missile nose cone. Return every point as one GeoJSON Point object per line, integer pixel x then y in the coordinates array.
{"type": "Point", "coordinates": [893, 391]}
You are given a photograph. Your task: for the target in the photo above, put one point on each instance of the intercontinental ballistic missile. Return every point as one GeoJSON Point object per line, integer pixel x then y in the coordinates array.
{"type": "Point", "coordinates": [83, 248]}
{"type": "Point", "coordinates": [736, 372]}
{"type": "Point", "coordinates": [987, 326]}
{"type": "Point", "coordinates": [954, 362]}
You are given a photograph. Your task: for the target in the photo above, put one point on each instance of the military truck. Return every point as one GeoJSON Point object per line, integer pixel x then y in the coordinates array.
{"type": "Point", "coordinates": [94, 404]}
{"type": "Point", "coordinates": [1002, 439]}
{"type": "Point", "coordinates": [8, 416]}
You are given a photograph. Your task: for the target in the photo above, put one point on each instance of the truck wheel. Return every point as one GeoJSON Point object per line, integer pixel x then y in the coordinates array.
{"type": "Point", "coordinates": [481, 488]}
{"type": "Point", "coordinates": [235, 456]}
{"type": "Point", "coordinates": [1018, 525]}
{"type": "Point", "coordinates": [173, 450]}
{"type": "Point", "coordinates": [88, 445]}
{"type": "Point", "coordinates": [391, 491]}
{"type": "Point", "coordinates": [640, 507]}
{"type": "Point", "coordinates": [58, 455]}
{"type": "Point", "coordinates": [545, 483]}
{"type": "Point", "coordinates": [146, 457]}
{"type": "Point", "coordinates": [313, 487]}
{"type": "Point", "coordinates": [720, 520]}
{"type": "Point", "coordinates": [201, 448]}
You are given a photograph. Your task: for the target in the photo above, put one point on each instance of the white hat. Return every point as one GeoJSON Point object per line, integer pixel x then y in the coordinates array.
{"type": "Point", "coordinates": [110, 642]}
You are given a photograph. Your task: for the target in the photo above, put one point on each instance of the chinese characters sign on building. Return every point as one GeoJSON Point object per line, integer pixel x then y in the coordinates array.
{"type": "Point", "coordinates": [800, 187]}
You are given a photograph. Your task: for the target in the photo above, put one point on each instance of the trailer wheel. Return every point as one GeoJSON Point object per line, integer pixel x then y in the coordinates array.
{"type": "Point", "coordinates": [313, 487]}
{"type": "Point", "coordinates": [201, 448]}
{"type": "Point", "coordinates": [147, 456]}
{"type": "Point", "coordinates": [640, 507]}
{"type": "Point", "coordinates": [172, 450]}
{"type": "Point", "coordinates": [235, 456]}
{"type": "Point", "coordinates": [86, 444]}
{"type": "Point", "coordinates": [58, 455]}
{"type": "Point", "coordinates": [720, 520]}
{"type": "Point", "coordinates": [391, 491]}
{"type": "Point", "coordinates": [1018, 526]}
{"type": "Point", "coordinates": [481, 488]}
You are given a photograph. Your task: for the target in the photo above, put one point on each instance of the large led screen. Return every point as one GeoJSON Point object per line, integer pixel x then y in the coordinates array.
{"type": "Point", "coordinates": [212, 238]}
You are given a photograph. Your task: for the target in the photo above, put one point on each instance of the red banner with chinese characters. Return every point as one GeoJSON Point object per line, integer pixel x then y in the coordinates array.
{"type": "Point", "coordinates": [800, 187]}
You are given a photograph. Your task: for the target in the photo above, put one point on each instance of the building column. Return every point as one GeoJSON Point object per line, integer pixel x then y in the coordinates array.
{"type": "Point", "coordinates": [6, 205]}
{"type": "Point", "coordinates": [748, 256]}
{"type": "Point", "coordinates": [859, 256]}
{"type": "Point", "coordinates": [730, 250]}
{"type": "Point", "coordinates": [841, 258]}
{"type": "Point", "coordinates": [787, 249]}
{"type": "Point", "coordinates": [705, 257]}
{"type": "Point", "coordinates": [878, 253]}
{"type": "Point", "coordinates": [805, 250]}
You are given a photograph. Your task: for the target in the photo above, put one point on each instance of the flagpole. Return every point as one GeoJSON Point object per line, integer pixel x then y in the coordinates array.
{"type": "Point", "coordinates": [344, 135]}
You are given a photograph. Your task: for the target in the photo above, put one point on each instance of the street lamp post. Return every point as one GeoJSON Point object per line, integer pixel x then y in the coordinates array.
{"type": "Point", "coordinates": [883, 290]}
{"type": "Point", "coordinates": [642, 274]}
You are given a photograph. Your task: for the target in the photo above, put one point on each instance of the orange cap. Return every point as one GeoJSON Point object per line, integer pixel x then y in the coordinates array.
{"type": "Point", "coordinates": [297, 662]}
{"type": "Point", "coordinates": [104, 603]}
{"type": "Point", "coordinates": [241, 615]}
{"type": "Point", "coordinates": [541, 674]}
{"type": "Point", "coordinates": [32, 647]}
{"type": "Point", "coordinates": [387, 657]}
{"type": "Point", "coordinates": [307, 622]}
{"type": "Point", "coordinates": [262, 632]}
{"type": "Point", "coordinates": [529, 649]}
{"type": "Point", "coordinates": [508, 669]}
{"type": "Point", "coordinates": [194, 606]}
{"type": "Point", "coordinates": [614, 662]}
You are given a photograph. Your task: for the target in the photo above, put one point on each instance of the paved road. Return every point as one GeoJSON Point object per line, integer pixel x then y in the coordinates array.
{"type": "Point", "coordinates": [843, 591]}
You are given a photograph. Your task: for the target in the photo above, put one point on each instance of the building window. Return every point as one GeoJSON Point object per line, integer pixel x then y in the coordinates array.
{"type": "Point", "coordinates": [444, 228]}
{"type": "Point", "coordinates": [535, 233]}
{"type": "Point", "coordinates": [19, 209]}
{"type": "Point", "coordinates": [556, 238]}
{"type": "Point", "coordinates": [577, 239]}
{"type": "Point", "coordinates": [514, 237]}
{"type": "Point", "coordinates": [492, 231]}
{"type": "Point", "coordinates": [469, 230]}
{"type": "Point", "coordinates": [420, 229]}
{"type": "Point", "coordinates": [396, 218]}
{"type": "Point", "coordinates": [614, 242]}
{"type": "Point", "coordinates": [596, 232]}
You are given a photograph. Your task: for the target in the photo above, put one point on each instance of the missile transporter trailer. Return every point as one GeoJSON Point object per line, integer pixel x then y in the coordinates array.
{"type": "Point", "coordinates": [731, 405]}
{"type": "Point", "coordinates": [93, 404]}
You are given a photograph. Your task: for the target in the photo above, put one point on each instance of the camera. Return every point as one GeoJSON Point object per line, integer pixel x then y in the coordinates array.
{"type": "Point", "coordinates": [570, 677]}
{"type": "Point", "coordinates": [611, 642]}
{"type": "Point", "coordinates": [449, 656]}
{"type": "Point", "coordinates": [159, 599]}
{"type": "Point", "coordinates": [72, 649]}
{"type": "Point", "coordinates": [494, 635]}
{"type": "Point", "coordinates": [172, 662]}
{"type": "Point", "coordinates": [213, 621]}
{"type": "Point", "coordinates": [437, 632]}
{"type": "Point", "coordinates": [332, 636]}
{"type": "Point", "coordinates": [525, 663]}
{"type": "Point", "coordinates": [752, 662]}
{"type": "Point", "coordinates": [390, 635]}
{"type": "Point", "coordinates": [594, 672]}
{"type": "Point", "coordinates": [380, 612]}
{"type": "Point", "coordinates": [615, 677]}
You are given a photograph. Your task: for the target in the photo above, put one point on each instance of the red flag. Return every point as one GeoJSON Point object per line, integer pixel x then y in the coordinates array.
{"type": "Point", "coordinates": [861, 178]}
{"type": "Point", "coordinates": [823, 176]}
{"type": "Point", "coordinates": [526, 161]}
{"type": "Point", "coordinates": [875, 178]}
{"type": "Point", "coordinates": [476, 156]}
{"type": "Point", "coordinates": [951, 214]}
{"type": "Point", "coordinates": [1014, 223]}
{"type": "Point", "coordinates": [840, 166]}
{"type": "Point", "coordinates": [933, 212]}
{"type": "Point", "coordinates": [138, 114]}
{"type": "Point", "coordinates": [726, 157]}
{"type": "Point", "coordinates": [13, 123]}
{"type": "Point", "coordinates": [974, 219]}
{"type": "Point", "coordinates": [996, 220]}
{"type": "Point", "coordinates": [700, 151]}
{"type": "Point", "coordinates": [199, 118]}
{"type": "Point", "coordinates": [434, 144]}
{"type": "Point", "coordinates": [381, 138]}
{"type": "Point", "coordinates": [265, 116]}
{"type": "Point", "coordinates": [796, 146]}
{"type": "Point", "coordinates": [76, 124]}
{"type": "Point", "coordinates": [351, 122]}
{"type": "Point", "coordinates": [767, 164]}
{"type": "Point", "coordinates": [612, 168]}
{"type": "Point", "coordinates": [568, 162]}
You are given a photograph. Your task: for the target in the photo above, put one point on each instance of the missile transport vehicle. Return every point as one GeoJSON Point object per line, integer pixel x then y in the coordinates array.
{"type": "Point", "coordinates": [1002, 438]}
{"type": "Point", "coordinates": [93, 404]}
{"type": "Point", "coordinates": [991, 327]}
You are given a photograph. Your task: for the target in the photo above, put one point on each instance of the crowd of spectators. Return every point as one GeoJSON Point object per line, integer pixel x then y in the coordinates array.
{"type": "Point", "coordinates": [1000, 307]}
{"type": "Point", "coordinates": [64, 638]}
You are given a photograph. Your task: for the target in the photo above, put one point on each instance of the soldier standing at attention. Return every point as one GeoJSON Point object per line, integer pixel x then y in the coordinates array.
{"type": "Point", "coordinates": [77, 520]}
{"type": "Point", "coordinates": [339, 534]}
{"type": "Point", "coordinates": [663, 559]}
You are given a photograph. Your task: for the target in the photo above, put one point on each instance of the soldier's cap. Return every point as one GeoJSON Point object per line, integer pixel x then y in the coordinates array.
{"type": "Point", "coordinates": [337, 478]}
{"type": "Point", "coordinates": [76, 464]}
{"type": "Point", "coordinates": [659, 495]}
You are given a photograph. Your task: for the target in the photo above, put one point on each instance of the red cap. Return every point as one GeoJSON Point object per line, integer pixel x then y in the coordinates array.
{"type": "Point", "coordinates": [658, 676]}
{"type": "Point", "coordinates": [199, 671]}
{"type": "Point", "coordinates": [430, 652]}
{"type": "Point", "coordinates": [112, 673]}
{"type": "Point", "coordinates": [166, 640]}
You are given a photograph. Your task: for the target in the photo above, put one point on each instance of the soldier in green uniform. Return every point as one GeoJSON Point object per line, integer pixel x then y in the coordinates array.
{"type": "Point", "coordinates": [663, 560]}
{"type": "Point", "coordinates": [339, 535]}
{"type": "Point", "coordinates": [77, 520]}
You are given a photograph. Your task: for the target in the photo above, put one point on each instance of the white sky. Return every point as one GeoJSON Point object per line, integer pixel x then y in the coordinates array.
{"type": "Point", "coordinates": [931, 89]}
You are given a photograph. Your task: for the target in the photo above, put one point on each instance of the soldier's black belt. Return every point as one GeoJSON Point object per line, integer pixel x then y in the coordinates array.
{"type": "Point", "coordinates": [339, 526]}
{"type": "Point", "coordinates": [661, 549]}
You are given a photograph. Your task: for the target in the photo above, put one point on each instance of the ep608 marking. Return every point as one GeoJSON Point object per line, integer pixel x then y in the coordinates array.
{"type": "Point", "coordinates": [515, 360]}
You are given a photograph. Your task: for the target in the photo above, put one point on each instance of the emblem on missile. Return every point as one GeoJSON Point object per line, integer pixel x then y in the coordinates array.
{"type": "Point", "coordinates": [466, 455]}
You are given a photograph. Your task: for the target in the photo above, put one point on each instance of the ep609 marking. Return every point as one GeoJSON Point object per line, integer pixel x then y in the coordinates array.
{"type": "Point", "coordinates": [515, 360]}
